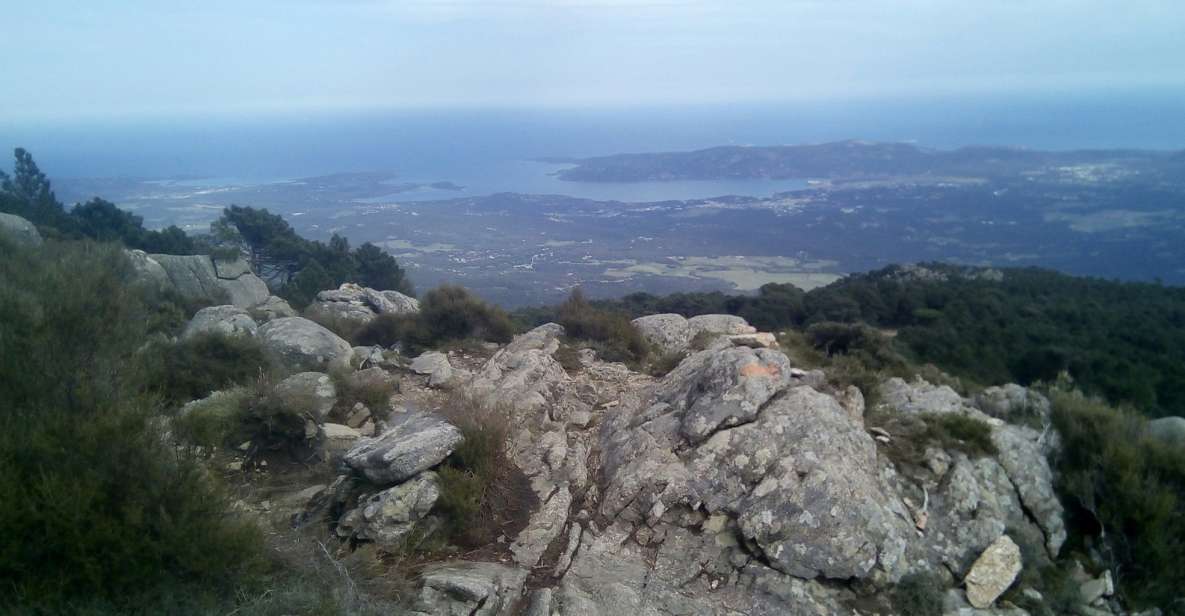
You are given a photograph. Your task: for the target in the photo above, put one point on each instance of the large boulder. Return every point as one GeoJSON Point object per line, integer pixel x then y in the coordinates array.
{"type": "Point", "coordinates": [197, 277]}
{"type": "Point", "coordinates": [314, 391]}
{"type": "Point", "coordinates": [920, 397]}
{"type": "Point", "coordinates": [223, 320]}
{"type": "Point", "coordinates": [301, 345]}
{"type": "Point", "coordinates": [729, 434]}
{"type": "Point", "coordinates": [1013, 403]}
{"type": "Point", "coordinates": [666, 332]}
{"type": "Point", "coordinates": [523, 374]}
{"type": "Point", "coordinates": [388, 517]}
{"type": "Point", "coordinates": [357, 304]}
{"type": "Point", "coordinates": [147, 270]}
{"type": "Point", "coordinates": [719, 324]}
{"type": "Point", "coordinates": [413, 443]}
{"type": "Point", "coordinates": [19, 230]}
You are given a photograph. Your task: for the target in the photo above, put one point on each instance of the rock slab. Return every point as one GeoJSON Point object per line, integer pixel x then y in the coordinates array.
{"type": "Point", "coordinates": [993, 572]}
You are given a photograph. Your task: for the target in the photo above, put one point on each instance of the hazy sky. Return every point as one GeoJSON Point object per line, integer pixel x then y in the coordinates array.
{"type": "Point", "coordinates": [100, 57]}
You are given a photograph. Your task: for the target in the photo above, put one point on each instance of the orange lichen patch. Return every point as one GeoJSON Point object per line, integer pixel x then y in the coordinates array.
{"type": "Point", "coordinates": [760, 369]}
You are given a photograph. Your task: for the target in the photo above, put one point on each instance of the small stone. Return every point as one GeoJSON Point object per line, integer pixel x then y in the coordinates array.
{"type": "Point", "coordinates": [358, 416]}
{"type": "Point", "coordinates": [993, 572]}
{"type": "Point", "coordinates": [236, 466]}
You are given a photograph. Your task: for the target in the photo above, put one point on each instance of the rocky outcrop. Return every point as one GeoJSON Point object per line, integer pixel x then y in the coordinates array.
{"type": "Point", "coordinates": [357, 304]}
{"type": "Point", "coordinates": [220, 320]}
{"type": "Point", "coordinates": [920, 397]}
{"type": "Point", "coordinates": [993, 572]}
{"type": "Point", "coordinates": [414, 442]}
{"type": "Point", "coordinates": [1013, 403]}
{"type": "Point", "coordinates": [19, 230]}
{"type": "Point", "coordinates": [389, 516]}
{"type": "Point", "coordinates": [471, 589]}
{"type": "Point", "coordinates": [523, 374]}
{"type": "Point", "coordinates": [728, 434]}
{"type": "Point", "coordinates": [147, 270]}
{"type": "Point", "coordinates": [198, 277]}
{"type": "Point", "coordinates": [299, 345]}
{"type": "Point", "coordinates": [671, 333]}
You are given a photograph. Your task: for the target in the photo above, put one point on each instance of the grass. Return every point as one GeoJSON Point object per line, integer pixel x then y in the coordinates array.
{"type": "Point", "coordinates": [483, 494]}
{"type": "Point", "coordinates": [354, 387]}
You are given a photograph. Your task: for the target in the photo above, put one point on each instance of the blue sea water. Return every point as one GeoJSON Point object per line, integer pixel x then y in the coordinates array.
{"type": "Point", "coordinates": [496, 150]}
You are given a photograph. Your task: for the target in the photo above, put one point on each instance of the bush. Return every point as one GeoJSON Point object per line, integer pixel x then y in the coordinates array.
{"type": "Point", "coordinates": [97, 507]}
{"type": "Point", "coordinates": [447, 314]}
{"type": "Point", "coordinates": [662, 366]}
{"type": "Point", "coordinates": [354, 387]}
{"type": "Point", "coordinates": [482, 493]}
{"type": "Point", "coordinates": [192, 368]}
{"type": "Point", "coordinates": [961, 433]}
{"type": "Point", "coordinates": [611, 333]}
{"type": "Point", "coordinates": [1124, 487]}
{"type": "Point", "coordinates": [388, 330]}
{"type": "Point", "coordinates": [918, 594]}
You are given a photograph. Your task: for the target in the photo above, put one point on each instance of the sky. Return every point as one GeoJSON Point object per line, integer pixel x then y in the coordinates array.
{"type": "Point", "coordinates": [61, 59]}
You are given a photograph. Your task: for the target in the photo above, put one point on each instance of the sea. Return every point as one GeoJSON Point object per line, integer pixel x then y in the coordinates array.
{"type": "Point", "coordinates": [516, 149]}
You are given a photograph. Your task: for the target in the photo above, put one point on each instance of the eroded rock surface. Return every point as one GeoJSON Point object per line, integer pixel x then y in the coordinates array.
{"type": "Point", "coordinates": [220, 320]}
{"type": "Point", "coordinates": [299, 344]}
{"type": "Point", "coordinates": [414, 442]}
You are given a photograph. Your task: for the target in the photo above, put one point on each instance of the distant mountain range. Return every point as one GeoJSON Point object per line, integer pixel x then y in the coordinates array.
{"type": "Point", "coordinates": [854, 160]}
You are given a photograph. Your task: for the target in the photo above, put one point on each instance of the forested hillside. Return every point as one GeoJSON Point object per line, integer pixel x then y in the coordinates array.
{"type": "Point", "coordinates": [1124, 341]}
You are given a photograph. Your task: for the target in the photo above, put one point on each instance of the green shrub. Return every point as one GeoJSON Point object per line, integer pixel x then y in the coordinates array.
{"type": "Point", "coordinates": [97, 506]}
{"type": "Point", "coordinates": [918, 594]}
{"type": "Point", "coordinates": [214, 422]}
{"type": "Point", "coordinates": [1115, 479]}
{"type": "Point", "coordinates": [192, 368]}
{"type": "Point", "coordinates": [662, 365]}
{"type": "Point", "coordinates": [353, 388]}
{"type": "Point", "coordinates": [961, 433]}
{"type": "Point", "coordinates": [387, 330]}
{"type": "Point", "coordinates": [611, 333]}
{"type": "Point", "coordinates": [482, 493]}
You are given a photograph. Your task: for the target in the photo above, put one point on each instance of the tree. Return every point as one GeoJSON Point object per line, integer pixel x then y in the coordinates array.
{"type": "Point", "coordinates": [379, 270]}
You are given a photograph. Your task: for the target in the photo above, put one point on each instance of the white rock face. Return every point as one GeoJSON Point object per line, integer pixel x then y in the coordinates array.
{"type": "Point", "coordinates": [300, 345]}
{"type": "Point", "coordinates": [993, 572]}
{"type": "Point", "coordinates": [220, 320]}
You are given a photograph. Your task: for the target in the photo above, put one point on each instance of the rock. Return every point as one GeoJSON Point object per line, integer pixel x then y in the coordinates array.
{"type": "Point", "coordinates": [523, 374]}
{"type": "Point", "coordinates": [722, 324]}
{"type": "Point", "coordinates": [368, 356]}
{"type": "Point", "coordinates": [391, 515]}
{"type": "Point", "coordinates": [1022, 458]}
{"type": "Point", "coordinates": [230, 269]}
{"type": "Point", "coordinates": [759, 340]}
{"type": "Point", "coordinates": [919, 397]}
{"type": "Point", "coordinates": [993, 572]}
{"type": "Point", "coordinates": [19, 230]}
{"type": "Point", "coordinates": [725, 433]}
{"type": "Point", "coordinates": [223, 320]}
{"type": "Point", "coordinates": [314, 390]}
{"type": "Point", "coordinates": [469, 589]}
{"type": "Point", "coordinates": [337, 440]}
{"type": "Point", "coordinates": [299, 344]}
{"type": "Point", "coordinates": [147, 270]}
{"type": "Point", "coordinates": [668, 333]}
{"type": "Point", "coordinates": [435, 365]}
{"type": "Point", "coordinates": [271, 308]}
{"type": "Point", "coordinates": [1013, 403]}
{"type": "Point", "coordinates": [358, 416]}
{"type": "Point", "coordinates": [195, 277]}
{"type": "Point", "coordinates": [1168, 429]}
{"type": "Point", "coordinates": [1095, 589]}
{"type": "Point", "coordinates": [852, 401]}
{"type": "Point", "coordinates": [414, 442]}
{"type": "Point", "coordinates": [357, 304]}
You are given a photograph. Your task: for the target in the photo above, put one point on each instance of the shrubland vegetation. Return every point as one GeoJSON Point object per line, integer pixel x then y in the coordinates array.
{"type": "Point", "coordinates": [100, 511]}
{"type": "Point", "coordinates": [1123, 341]}
{"type": "Point", "coordinates": [448, 313]}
